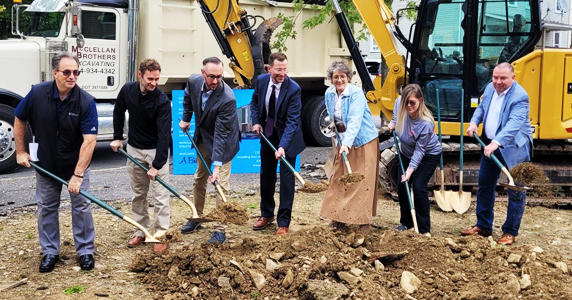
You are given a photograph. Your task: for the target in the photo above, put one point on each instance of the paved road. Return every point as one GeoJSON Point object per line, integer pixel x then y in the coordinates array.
{"type": "Point", "coordinates": [109, 180]}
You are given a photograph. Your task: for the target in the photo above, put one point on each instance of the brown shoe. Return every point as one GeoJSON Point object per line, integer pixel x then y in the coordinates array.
{"type": "Point", "coordinates": [261, 223]}
{"type": "Point", "coordinates": [475, 230]}
{"type": "Point", "coordinates": [160, 247]}
{"type": "Point", "coordinates": [507, 239]}
{"type": "Point", "coordinates": [282, 230]}
{"type": "Point", "coordinates": [134, 241]}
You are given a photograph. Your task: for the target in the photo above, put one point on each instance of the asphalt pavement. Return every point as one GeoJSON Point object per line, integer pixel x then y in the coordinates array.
{"type": "Point", "coordinates": [109, 180]}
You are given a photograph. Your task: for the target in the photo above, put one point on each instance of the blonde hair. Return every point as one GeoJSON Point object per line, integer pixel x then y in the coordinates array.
{"type": "Point", "coordinates": [424, 112]}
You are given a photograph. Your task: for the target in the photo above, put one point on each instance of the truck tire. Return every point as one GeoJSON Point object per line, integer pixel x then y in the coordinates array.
{"type": "Point", "coordinates": [7, 144]}
{"type": "Point", "coordinates": [313, 121]}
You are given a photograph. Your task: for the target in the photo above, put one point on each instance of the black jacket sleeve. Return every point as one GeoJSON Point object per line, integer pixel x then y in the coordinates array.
{"type": "Point", "coordinates": [164, 134]}
{"type": "Point", "coordinates": [119, 114]}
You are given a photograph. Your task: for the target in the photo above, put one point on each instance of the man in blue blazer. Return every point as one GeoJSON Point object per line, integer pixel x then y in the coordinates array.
{"type": "Point", "coordinates": [275, 111]}
{"type": "Point", "coordinates": [504, 113]}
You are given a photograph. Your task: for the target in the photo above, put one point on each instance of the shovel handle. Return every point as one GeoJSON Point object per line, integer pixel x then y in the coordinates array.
{"type": "Point", "coordinates": [344, 155]}
{"type": "Point", "coordinates": [200, 155]}
{"type": "Point", "coordinates": [162, 182]}
{"type": "Point", "coordinates": [440, 136]}
{"type": "Point", "coordinates": [283, 159]}
{"type": "Point", "coordinates": [148, 237]}
{"type": "Point", "coordinates": [411, 204]}
{"type": "Point", "coordinates": [497, 162]}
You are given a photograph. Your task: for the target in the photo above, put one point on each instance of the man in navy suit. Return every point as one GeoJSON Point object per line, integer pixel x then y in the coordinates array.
{"type": "Point", "coordinates": [504, 113]}
{"type": "Point", "coordinates": [275, 110]}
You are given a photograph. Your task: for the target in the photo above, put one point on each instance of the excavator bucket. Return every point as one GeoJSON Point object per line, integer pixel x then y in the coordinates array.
{"type": "Point", "coordinates": [261, 45]}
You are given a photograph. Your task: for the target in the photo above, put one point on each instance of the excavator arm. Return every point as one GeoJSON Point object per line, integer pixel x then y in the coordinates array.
{"type": "Point", "coordinates": [247, 49]}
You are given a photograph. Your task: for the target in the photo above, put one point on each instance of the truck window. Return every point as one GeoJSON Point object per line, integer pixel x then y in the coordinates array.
{"type": "Point", "coordinates": [98, 25]}
{"type": "Point", "coordinates": [46, 24]}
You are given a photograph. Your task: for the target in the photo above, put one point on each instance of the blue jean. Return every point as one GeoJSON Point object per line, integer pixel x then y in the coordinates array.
{"type": "Point", "coordinates": [418, 181]}
{"type": "Point", "coordinates": [488, 178]}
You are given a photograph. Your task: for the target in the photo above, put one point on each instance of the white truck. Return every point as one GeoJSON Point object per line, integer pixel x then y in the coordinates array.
{"type": "Point", "coordinates": [110, 37]}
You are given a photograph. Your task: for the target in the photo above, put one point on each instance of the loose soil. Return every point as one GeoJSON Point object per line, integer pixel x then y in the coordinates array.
{"type": "Point", "coordinates": [312, 262]}
{"type": "Point", "coordinates": [352, 178]}
{"type": "Point", "coordinates": [534, 177]}
{"type": "Point", "coordinates": [229, 212]}
{"type": "Point", "coordinates": [310, 187]}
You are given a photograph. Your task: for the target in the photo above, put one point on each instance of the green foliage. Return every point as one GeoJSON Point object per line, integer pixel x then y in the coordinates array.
{"type": "Point", "coordinates": [29, 236]}
{"type": "Point", "coordinates": [255, 295]}
{"type": "Point", "coordinates": [323, 14]}
{"type": "Point", "coordinates": [75, 289]}
{"type": "Point", "coordinates": [251, 205]}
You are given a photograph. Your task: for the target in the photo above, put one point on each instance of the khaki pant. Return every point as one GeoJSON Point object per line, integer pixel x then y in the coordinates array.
{"type": "Point", "coordinates": [201, 180]}
{"type": "Point", "coordinates": [140, 187]}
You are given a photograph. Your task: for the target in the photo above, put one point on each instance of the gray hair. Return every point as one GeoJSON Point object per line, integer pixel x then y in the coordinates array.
{"type": "Point", "coordinates": [339, 66]}
{"type": "Point", "coordinates": [58, 57]}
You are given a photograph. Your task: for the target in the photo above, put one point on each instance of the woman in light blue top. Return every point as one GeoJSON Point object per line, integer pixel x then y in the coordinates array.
{"type": "Point", "coordinates": [351, 203]}
{"type": "Point", "coordinates": [420, 151]}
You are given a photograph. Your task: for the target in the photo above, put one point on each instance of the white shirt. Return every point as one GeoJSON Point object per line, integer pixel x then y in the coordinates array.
{"type": "Point", "coordinates": [338, 105]}
{"type": "Point", "coordinates": [269, 90]}
{"type": "Point", "coordinates": [493, 116]}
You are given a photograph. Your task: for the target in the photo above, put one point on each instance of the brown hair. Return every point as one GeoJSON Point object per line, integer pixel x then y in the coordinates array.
{"type": "Point", "coordinates": [276, 56]}
{"type": "Point", "coordinates": [149, 64]}
{"type": "Point", "coordinates": [424, 112]}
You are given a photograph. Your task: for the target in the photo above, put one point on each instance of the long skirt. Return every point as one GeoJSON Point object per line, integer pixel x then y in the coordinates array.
{"type": "Point", "coordinates": [353, 203]}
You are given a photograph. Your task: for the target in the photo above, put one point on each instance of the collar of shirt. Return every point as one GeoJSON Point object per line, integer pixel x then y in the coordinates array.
{"type": "Point", "coordinates": [206, 91]}
{"type": "Point", "coordinates": [57, 93]}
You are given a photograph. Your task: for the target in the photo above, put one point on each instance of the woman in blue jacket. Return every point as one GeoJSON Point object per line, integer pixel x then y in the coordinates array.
{"type": "Point", "coordinates": [420, 152]}
{"type": "Point", "coordinates": [351, 203]}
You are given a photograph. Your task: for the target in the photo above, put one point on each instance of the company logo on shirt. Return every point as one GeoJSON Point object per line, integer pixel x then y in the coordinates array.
{"type": "Point", "coordinates": [93, 128]}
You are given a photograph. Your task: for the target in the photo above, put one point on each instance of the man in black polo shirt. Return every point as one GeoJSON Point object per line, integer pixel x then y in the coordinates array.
{"type": "Point", "coordinates": [63, 118]}
{"type": "Point", "coordinates": [148, 141]}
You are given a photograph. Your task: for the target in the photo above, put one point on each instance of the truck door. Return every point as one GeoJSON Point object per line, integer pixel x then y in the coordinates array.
{"type": "Point", "coordinates": [99, 57]}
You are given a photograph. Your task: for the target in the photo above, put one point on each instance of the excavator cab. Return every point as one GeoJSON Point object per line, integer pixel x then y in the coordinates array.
{"type": "Point", "coordinates": [459, 44]}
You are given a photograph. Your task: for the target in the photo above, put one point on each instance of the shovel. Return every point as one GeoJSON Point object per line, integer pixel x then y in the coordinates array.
{"type": "Point", "coordinates": [411, 204]}
{"type": "Point", "coordinates": [217, 186]}
{"type": "Point", "coordinates": [195, 217]}
{"type": "Point", "coordinates": [510, 184]}
{"type": "Point", "coordinates": [442, 197]}
{"type": "Point", "coordinates": [283, 159]}
{"type": "Point", "coordinates": [462, 201]}
{"type": "Point", "coordinates": [148, 237]}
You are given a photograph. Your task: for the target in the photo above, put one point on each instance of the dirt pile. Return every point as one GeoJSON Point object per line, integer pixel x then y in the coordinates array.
{"type": "Point", "coordinates": [328, 264]}
{"type": "Point", "coordinates": [534, 177]}
{"type": "Point", "coordinates": [229, 212]}
{"type": "Point", "coordinates": [310, 187]}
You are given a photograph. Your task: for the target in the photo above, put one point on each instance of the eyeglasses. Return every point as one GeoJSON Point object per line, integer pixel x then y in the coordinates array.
{"type": "Point", "coordinates": [213, 77]}
{"type": "Point", "coordinates": [411, 103]}
{"type": "Point", "coordinates": [280, 70]}
{"type": "Point", "coordinates": [69, 72]}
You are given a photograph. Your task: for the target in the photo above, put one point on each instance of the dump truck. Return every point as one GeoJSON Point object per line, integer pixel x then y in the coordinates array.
{"type": "Point", "coordinates": [110, 37]}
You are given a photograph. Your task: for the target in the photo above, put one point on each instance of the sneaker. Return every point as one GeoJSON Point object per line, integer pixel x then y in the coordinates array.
{"type": "Point", "coordinates": [218, 238]}
{"type": "Point", "coordinates": [190, 227]}
{"type": "Point", "coordinates": [401, 227]}
{"type": "Point", "coordinates": [427, 234]}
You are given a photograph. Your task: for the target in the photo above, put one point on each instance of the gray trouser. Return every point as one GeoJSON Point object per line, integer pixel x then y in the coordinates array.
{"type": "Point", "coordinates": [48, 196]}
{"type": "Point", "coordinates": [201, 180]}
{"type": "Point", "coordinates": [140, 182]}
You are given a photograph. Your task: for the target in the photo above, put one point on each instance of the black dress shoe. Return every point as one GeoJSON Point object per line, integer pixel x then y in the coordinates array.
{"type": "Point", "coordinates": [48, 263]}
{"type": "Point", "coordinates": [86, 262]}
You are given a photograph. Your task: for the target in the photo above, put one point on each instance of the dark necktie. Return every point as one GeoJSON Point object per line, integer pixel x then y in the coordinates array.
{"type": "Point", "coordinates": [269, 128]}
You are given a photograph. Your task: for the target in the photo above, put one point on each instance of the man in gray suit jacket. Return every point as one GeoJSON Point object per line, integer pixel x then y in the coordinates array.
{"type": "Point", "coordinates": [217, 133]}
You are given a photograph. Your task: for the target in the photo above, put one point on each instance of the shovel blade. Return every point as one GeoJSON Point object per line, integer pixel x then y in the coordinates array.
{"type": "Point", "coordinates": [514, 187]}
{"type": "Point", "coordinates": [151, 239]}
{"type": "Point", "coordinates": [461, 202]}
{"type": "Point", "coordinates": [201, 220]}
{"type": "Point", "coordinates": [442, 200]}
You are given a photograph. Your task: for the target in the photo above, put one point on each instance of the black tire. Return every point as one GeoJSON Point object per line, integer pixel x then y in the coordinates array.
{"type": "Point", "coordinates": [8, 162]}
{"type": "Point", "coordinates": [313, 115]}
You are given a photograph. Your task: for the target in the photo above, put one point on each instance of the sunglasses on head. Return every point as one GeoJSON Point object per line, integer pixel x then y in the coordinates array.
{"type": "Point", "coordinates": [69, 72]}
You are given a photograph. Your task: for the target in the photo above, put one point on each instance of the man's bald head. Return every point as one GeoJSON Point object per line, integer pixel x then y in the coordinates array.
{"type": "Point", "coordinates": [503, 77]}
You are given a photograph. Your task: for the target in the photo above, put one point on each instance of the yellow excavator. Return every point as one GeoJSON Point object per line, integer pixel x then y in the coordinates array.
{"type": "Point", "coordinates": [452, 49]}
